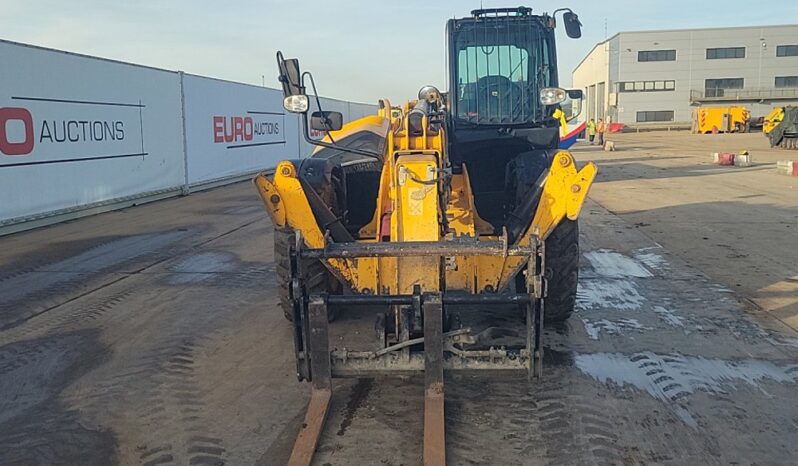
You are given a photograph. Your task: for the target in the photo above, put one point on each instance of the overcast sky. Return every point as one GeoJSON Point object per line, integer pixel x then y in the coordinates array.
{"type": "Point", "coordinates": [357, 50]}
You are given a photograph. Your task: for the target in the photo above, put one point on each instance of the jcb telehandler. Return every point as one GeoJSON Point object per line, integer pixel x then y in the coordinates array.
{"type": "Point", "coordinates": [456, 201]}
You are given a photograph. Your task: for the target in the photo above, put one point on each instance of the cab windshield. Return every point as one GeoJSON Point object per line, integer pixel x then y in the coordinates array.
{"type": "Point", "coordinates": [500, 68]}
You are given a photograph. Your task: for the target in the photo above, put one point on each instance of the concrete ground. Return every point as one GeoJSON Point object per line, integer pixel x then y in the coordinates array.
{"type": "Point", "coordinates": [151, 335]}
{"type": "Point", "coordinates": [737, 225]}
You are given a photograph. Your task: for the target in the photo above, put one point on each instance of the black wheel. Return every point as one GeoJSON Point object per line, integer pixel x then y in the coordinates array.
{"type": "Point", "coordinates": [562, 272]}
{"type": "Point", "coordinates": [317, 278]}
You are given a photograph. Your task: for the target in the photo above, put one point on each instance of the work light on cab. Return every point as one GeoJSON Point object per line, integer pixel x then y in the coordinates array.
{"type": "Point", "coordinates": [552, 95]}
{"type": "Point", "coordinates": [296, 103]}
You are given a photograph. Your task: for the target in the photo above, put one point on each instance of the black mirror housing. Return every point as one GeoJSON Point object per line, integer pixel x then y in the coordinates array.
{"type": "Point", "coordinates": [326, 121]}
{"type": "Point", "coordinates": [572, 106]}
{"type": "Point", "coordinates": [573, 28]}
{"type": "Point", "coordinates": [575, 94]}
{"type": "Point", "coordinates": [290, 77]}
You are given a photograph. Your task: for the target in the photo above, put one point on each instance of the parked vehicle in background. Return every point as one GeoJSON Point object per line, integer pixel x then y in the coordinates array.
{"type": "Point", "coordinates": [721, 120]}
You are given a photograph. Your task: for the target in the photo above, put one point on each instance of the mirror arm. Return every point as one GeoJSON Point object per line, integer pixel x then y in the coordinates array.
{"type": "Point", "coordinates": [315, 142]}
{"type": "Point", "coordinates": [304, 116]}
{"type": "Point", "coordinates": [318, 101]}
{"type": "Point", "coordinates": [331, 145]}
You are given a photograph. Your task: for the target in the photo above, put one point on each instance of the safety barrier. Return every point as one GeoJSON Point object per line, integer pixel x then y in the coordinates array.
{"type": "Point", "coordinates": [81, 135]}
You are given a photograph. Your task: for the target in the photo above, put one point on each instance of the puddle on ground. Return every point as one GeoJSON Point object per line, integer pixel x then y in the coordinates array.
{"type": "Point", "coordinates": [608, 294]}
{"type": "Point", "coordinates": [668, 316]}
{"type": "Point", "coordinates": [671, 377]}
{"type": "Point", "coordinates": [608, 263]}
{"type": "Point", "coordinates": [651, 260]}
{"type": "Point", "coordinates": [595, 327]}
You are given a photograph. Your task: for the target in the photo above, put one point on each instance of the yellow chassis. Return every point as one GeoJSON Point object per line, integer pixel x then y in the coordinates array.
{"type": "Point", "coordinates": [414, 197]}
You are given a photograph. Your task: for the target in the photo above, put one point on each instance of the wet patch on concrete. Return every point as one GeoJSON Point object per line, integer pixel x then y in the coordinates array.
{"type": "Point", "coordinates": [35, 426]}
{"type": "Point", "coordinates": [608, 294]}
{"type": "Point", "coordinates": [218, 269]}
{"type": "Point", "coordinates": [668, 316]}
{"type": "Point", "coordinates": [116, 252]}
{"type": "Point", "coordinates": [594, 328]}
{"type": "Point", "coordinates": [69, 276]}
{"type": "Point", "coordinates": [202, 266]}
{"type": "Point", "coordinates": [356, 400]}
{"type": "Point", "coordinates": [651, 260]}
{"type": "Point", "coordinates": [610, 281]}
{"type": "Point", "coordinates": [608, 263]}
{"type": "Point", "coordinates": [673, 377]}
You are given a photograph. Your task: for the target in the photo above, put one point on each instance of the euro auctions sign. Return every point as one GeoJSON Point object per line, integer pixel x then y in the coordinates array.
{"type": "Point", "coordinates": [44, 130]}
{"type": "Point", "coordinates": [255, 128]}
{"type": "Point", "coordinates": [19, 139]}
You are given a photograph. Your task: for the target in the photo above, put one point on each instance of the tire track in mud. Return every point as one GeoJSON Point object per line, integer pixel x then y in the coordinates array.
{"type": "Point", "coordinates": [159, 401]}
{"type": "Point", "coordinates": [16, 355]}
{"type": "Point", "coordinates": [93, 315]}
{"type": "Point", "coordinates": [573, 429]}
{"type": "Point", "coordinates": [543, 421]}
{"type": "Point", "coordinates": [151, 394]}
{"type": "Point", "coordinates": [156, 250]}
{"type": "Point", "coordinates": [47, 286]}
{"type": "Point", "coordinates": [157, 404]}
{"type": "Point", "coordinates": [252, 275]}
{"type": "Point", "coordinates": [698, 394]}
{"type": "Point", "coordinates": [148, 390]}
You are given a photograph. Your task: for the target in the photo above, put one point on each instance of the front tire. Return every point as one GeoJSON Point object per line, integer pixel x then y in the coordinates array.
{"type": "Point", "coordinates": [317, 278]}
{"type": "Point", "coordinates": [562, 271]}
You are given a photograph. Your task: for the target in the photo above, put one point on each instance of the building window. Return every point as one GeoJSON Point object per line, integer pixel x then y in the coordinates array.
{"type": "Point", "coordinates": [646, 86]}
{"type": "Point", "coordinates": [787, 50]}
{"type": "Point", "coordinates": [716, 87]}
{"type": "Point", "coordinates": [728, 52]}
{"type": "Point", "coordinates": [786, 81]}
{"type": "Point", "coordinates": [660, 115]}
{"type": "Point", "coordinates": [656, 55]}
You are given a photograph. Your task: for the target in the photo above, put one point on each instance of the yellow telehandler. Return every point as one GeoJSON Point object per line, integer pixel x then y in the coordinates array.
{"type": "Point", "coordinates": [452, 201]}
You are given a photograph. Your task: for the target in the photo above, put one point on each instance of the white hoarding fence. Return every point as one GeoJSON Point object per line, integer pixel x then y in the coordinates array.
{"type": "Point", "coordinates": [234, 129]}
{"type": "Point", "coordinates": [76, 130]}
{"type": "Point", "coordinates": [358, 110]}
{"type": "Point", "coordinates": [106, 134]}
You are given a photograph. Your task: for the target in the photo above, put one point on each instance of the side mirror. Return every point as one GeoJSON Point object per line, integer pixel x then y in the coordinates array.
{"type": "Point", "coordinates": [572, 105]}
{"type": "Point", "coordinates": [326, 121]}
{"type": "Point", "coordinates": [573, 28]}
{"type": "Point", "coordinates": [290, 77]}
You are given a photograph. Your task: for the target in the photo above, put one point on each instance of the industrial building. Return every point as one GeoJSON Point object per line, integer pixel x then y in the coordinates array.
{"type": "Point", "coordinates": [656, 77]}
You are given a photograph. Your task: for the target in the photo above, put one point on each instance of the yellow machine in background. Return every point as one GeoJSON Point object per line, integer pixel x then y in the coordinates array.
{"type": "Point", "coordinates": [707, 120]}
{"type": "Point", "coordinates": [452, 219]}
{"type": "Point", "coordinates": [781, 127]}
{"type": "Point", "coordinates": [773, 119]}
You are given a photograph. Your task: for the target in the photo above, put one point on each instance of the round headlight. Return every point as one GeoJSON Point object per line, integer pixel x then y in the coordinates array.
{"type": "Point", "coordinates": [552, 95]}
{"type": "Point", "coordinates": [428, 93]}
{"type": "Point", "coordinates": [296, 103]}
